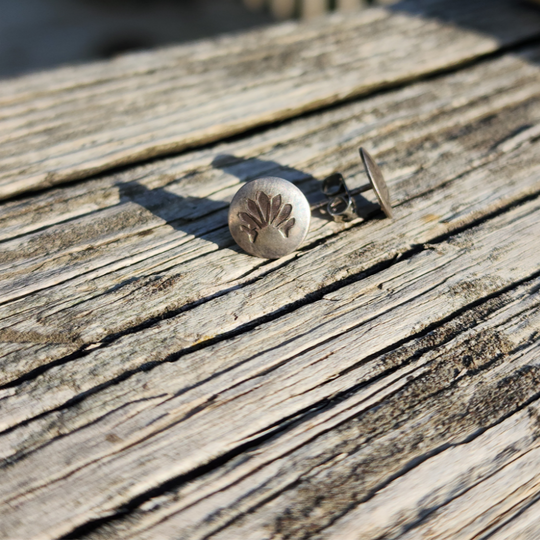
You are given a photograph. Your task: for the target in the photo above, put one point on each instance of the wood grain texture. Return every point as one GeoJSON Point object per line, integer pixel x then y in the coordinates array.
{"type": "Point", "coordinates": [169, 420]}
{"type": "Point", "coordinates": [118, 266]}
{"type": "Point", "coordinates": [381, 382]}
{"type": "Point", "coordinates": [76, 122]}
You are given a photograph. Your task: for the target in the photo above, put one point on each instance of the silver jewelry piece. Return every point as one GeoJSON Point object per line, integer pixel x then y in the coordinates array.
{"type": "Point", "coordinates": [341, 205]}
{"type": "Point", "coordinates": [269, 217]}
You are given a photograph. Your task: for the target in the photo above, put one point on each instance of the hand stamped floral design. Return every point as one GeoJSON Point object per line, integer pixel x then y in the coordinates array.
{"type": "Point", "coordinates": [265, 213]}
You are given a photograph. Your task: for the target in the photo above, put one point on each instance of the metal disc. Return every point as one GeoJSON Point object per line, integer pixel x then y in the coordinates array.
{"type": "Point", "coordinates": [376, 179]}
{"type": "Point", "coordinates": [269, 217]}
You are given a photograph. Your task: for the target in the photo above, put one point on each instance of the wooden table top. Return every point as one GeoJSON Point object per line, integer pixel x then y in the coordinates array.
{"type": "Point", "coordinates": [381, 382]}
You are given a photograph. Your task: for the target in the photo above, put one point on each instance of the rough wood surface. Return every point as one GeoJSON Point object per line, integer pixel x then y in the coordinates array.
{"type": "Point", "coordinates": [76, 122]}
{"type": "Point", "coordinates": [382, 382]}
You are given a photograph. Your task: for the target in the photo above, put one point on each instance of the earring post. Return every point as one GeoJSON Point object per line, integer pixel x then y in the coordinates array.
{"type": "Point", "coordinates": [338, 194]}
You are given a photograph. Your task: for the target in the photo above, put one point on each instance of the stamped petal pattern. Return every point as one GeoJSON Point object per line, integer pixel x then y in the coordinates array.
{"type": "Point", "coordinates": [256, 212]}
{"type": "Point", "coordinates": [265, 212]}
{"type": "Point", "coordinates": [284, 215]}
{"type": "Point", "coordinates": [287, 226]}
{"type": "Point", "coordinates": [264, 205]}
{"type": "Point", "coordinates": [276, 206]}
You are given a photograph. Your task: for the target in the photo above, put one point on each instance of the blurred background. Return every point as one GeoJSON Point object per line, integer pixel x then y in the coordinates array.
{"type": "Point", "coordinates": [41, 34]}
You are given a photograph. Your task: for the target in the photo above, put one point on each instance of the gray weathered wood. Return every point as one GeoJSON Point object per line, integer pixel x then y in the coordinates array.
{"type": "Point", "coordinates": [383, 381]}
{"type": "Point", "coordinates": [71, 312]}
{"type": "Point", "coordinates": [77, 122]}
{"type": "Point", "coordinates": [183, 405]}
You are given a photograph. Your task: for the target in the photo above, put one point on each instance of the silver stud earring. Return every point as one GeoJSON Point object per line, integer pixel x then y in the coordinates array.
{"type": "Point", "coordinates": [270, 217]}
{"type": "Point", "coordinates": [341, 204]}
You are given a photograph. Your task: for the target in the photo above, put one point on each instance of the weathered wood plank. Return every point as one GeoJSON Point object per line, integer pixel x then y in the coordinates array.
{"type": "Point", "coordinates": [471, 470]}
{"type": "Point", "coordinates": [316, 467]}
{"type": "Point", "coordinates": [368, 119]}
{"type": "Point", "coordinates": [338, 259]}
{"type": "Point", "coordinates": [76, 122]}
{"type": "Point", "coordinates": [524, 526]}
{"type": "Point", "coordinates": [379, 382]}
{"type": "Point", "coordinates": [510, 492]}
{"type": "Point", "coordinates": [106, 290]}
{"type": "Point", "coordinates": [166, 430]}
{"type": "Point", "coordinates": [462, 470]}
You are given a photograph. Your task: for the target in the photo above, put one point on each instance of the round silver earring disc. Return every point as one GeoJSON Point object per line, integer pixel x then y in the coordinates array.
{"type": "Point", "coordinates": [269, 217]}
{"type": "Point", "coordinates": [376, 179]}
